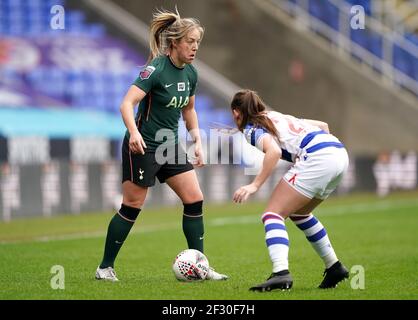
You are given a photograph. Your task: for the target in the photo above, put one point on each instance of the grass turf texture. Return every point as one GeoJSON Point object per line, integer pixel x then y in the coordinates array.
{"type": "Point", "coordinates": [378, 234]}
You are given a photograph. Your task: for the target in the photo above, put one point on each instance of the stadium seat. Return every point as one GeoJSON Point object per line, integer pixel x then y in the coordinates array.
{"type": "Point", "coordinates": [325, 11]}
{"type": "Point", "coordinates": [203, 102]}
{"type": "Point", "coordinates": [404, 62]}
{"type": "Point", "coordinates": [369, 41]}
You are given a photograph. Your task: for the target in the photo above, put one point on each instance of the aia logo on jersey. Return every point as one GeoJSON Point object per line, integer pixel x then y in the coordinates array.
{"type": "Point", "coordinates": [146, 73]}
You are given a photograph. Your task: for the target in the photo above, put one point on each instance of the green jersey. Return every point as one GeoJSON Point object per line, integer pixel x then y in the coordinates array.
{"type": "Point", "coordinates": [168, 90]}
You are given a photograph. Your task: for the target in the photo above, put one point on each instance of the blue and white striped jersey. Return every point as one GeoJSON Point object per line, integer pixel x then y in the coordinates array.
{"type": "Point", "coordinates": [296, 136]}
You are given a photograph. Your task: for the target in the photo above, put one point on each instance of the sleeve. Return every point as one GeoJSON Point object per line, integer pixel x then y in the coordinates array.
{"type": "Point", "coordinates": [253, 135]}
{"type": "Point", "coordinates": [145, 80]}
{"type": "Point", "coordinates": [193, 81]}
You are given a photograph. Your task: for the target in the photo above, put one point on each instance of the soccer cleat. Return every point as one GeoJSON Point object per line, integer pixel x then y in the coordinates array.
{"type": "Point", "coordinates": [106, 274]}
{"type": "Point", "coordinates": [333, 275]}
{"type": "Point", "coordinates": [278, 280]}
{"type": "Point", "coordinates": [213, 275]}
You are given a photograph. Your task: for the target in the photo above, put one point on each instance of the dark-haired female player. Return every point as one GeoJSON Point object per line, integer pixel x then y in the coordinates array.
{"type": "Point", "coordinates": [320, 162]}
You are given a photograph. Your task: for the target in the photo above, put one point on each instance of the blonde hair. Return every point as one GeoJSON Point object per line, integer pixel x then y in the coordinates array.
{"type": "Point", "coordinates": [167, 27]}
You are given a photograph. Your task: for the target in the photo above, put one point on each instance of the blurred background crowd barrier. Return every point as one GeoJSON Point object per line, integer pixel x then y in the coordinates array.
{"type": "Point", "coordinates": [57, 185]}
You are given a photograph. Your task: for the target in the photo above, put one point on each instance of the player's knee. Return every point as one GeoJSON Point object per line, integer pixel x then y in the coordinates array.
{"type": "Point", "coordinates": [198, 197]}
{"type": "Point", "coordinates": [194, 209]}
{"type": "Point", "coordinates": [133, 195]}
{"type": "Point", "coordinates": [193, 197]}
{"type": "Point", "coordinates": [129, 213]}
{"type": "Point", "coordinates": [133, 200]}
{"type": "Point", "coordinates": [280, 213]}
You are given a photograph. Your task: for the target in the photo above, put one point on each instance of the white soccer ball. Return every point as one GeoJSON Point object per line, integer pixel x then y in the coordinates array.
{"type": "Point", "coordinates": [190, 265]}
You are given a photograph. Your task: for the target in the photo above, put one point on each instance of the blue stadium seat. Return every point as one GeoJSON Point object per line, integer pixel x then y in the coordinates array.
{"type": "Point", "coordinates": [368, 40]}
{"type": "Point", "coordinates": [10, 75]}
{"type": "Point", "coordinates": [325, 11]}
{"type": "Point", "coordinates": [102, 90]}
{"type": "Point", "coordinates": [95, 30]}
{"type": "Point", "coordinates": [16, 29]}
{"type": "Point", "coordinates": [35, 75]}
{"type": "Point", "coordinates": [75, 89]}
{"type": "Point", "coordinates": [203, 102]}
{"type": "Point", "coordinates": [412, 37]}
{"type": "Point", "coordinates": [75, 16]}
{"type": "Point", "coordinates": [404, 62]}
{"type": "Point", "coordinates": [50, 3]}
{"type": "Point", "coordinates": [118, 87]}
{"type": "Point", "coordinates": [223, 116]}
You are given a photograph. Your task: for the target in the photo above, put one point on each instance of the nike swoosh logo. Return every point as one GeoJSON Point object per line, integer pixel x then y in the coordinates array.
{"type": "Point", "coordinates": [200, 238]}
{"type": "Point", "coordinates": [168, 85]}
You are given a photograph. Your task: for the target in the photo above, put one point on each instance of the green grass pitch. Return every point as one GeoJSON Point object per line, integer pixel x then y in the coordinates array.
{"type": "Point", "coordinates": [378, 234]}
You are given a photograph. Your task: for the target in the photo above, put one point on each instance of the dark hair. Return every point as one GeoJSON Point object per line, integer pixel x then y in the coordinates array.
{"type": "Point", "coordinates": [252, 109]}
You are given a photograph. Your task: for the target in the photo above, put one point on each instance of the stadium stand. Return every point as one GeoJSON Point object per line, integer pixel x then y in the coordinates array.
{"type": "Point", "coordinates": [401, 49]}
{"type": "Point", "coordinates": [80, 68]}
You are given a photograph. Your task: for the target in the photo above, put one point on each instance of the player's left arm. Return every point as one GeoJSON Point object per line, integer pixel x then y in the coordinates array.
{"type": "Point", "coordinates": [272, 154]}
{"type": "Point", "coordinates": [321, 124]}
{"type": "Point", "coordinates": [192, 125]}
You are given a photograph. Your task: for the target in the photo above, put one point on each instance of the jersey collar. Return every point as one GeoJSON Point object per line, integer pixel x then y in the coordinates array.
{"type": "Point", "coordinates": [172, 63]}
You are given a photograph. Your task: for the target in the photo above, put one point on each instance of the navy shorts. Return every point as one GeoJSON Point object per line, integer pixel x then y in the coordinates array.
{"type": "Point", "coordinates": [142, 169]}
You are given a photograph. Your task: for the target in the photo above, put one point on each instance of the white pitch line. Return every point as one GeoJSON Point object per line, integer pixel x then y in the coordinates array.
{"type": "Point", "coordinates": [90, 235]}
{"type": "Point", "coordinates": [383, 205]}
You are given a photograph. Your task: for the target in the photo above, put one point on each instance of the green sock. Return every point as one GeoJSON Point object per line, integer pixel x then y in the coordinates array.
{"type": "Point", "coordinates": [193, 230]}
{"type": "Point", "coordinates": [117, 232]}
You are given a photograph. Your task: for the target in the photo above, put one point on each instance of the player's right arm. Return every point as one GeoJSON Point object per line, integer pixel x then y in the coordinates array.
{"type": "Point", "coordinates": [132, 99]}
{"type": "Point", "coordinates": [272, 154]}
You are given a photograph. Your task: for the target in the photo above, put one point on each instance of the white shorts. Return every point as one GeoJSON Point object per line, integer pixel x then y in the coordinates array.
{"type": "Point", "coordinates": [317, 174]}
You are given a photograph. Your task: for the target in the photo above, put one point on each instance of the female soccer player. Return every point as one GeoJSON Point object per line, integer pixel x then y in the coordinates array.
{"type": "Point", "coordinates": [164, 90]}
{"type": "Point", "coordinates": [320, 161]}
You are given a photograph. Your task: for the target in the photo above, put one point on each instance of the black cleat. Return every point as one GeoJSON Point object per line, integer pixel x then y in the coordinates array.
{"type": "Point", "coordinates": [279, 280]}
{"type": "Point", "coordinates": [333, 275]}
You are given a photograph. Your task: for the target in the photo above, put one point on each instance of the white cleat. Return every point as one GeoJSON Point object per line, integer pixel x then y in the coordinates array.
{"type": "Point", "coordinates": [106, 274]}
{"type": "Point", "coordinates": [213, 275]}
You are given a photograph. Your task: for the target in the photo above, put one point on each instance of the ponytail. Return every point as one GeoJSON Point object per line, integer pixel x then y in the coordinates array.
{"type": "Point", "coordinates": [166, 27]}
{"type": "Point", "coordinates": [162, 20]}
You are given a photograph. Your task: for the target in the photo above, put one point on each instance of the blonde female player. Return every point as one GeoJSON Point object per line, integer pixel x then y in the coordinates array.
{"type": "Point", "coordinates": [320, 161]}
{"type": "Point", "coordinates": [164, 90]}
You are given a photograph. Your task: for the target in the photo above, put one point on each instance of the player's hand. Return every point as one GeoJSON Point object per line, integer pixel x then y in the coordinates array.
{"type": "Point", "coordinates": [242, 194]}
{"type": "Point", "coordinates": [137, 143]}
{"type": "Point", "coordinates": [199, 155]}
